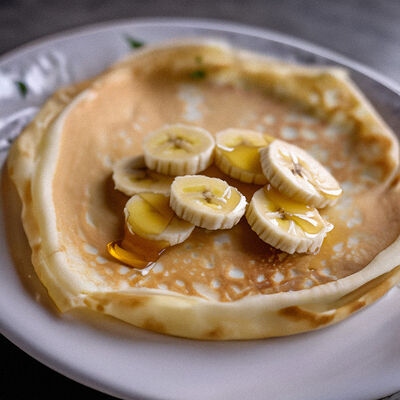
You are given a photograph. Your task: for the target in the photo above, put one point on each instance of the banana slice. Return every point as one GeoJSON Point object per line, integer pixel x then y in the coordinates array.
{"type": "Point", "coordinates": [179, 150]}
{"type": "Point", "coordinates": [207, 202]}
{"type": "Point", "coordinates": [286, 224]}
{"type": "Point", "coordinates": [149, 216]}
{"type": "Point", "coordinates": [236, 154]}
{"type": "Point", "coordinates": [131, 176]}
{"type": "Point", "coordinates": [298, 175]}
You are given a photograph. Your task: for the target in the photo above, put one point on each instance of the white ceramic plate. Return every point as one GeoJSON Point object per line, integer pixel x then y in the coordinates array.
{"type": "Point", "coordinates": [356, 359]}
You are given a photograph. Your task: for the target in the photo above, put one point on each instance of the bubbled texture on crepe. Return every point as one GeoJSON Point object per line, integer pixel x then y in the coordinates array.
{"type": "Point", "coordinates": [129, 101]}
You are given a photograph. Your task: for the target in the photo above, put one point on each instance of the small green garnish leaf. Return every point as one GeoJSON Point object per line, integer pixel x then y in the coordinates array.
{"type": "Point", "coordinates": [22, 87]}
{"type": "Point", "coordinates": [134, 43]}
{"type": "Point", "coordinates": [198, 74]}
{"type": "Point", "coordinates": [198, 59]}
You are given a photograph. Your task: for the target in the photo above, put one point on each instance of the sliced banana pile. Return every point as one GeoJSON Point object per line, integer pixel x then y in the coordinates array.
{"type": "Point", "coordinates": [207, 202]}
{"type": "Point", "coordinates": [236, 154]}
{"type": "Point", "coordinates": [169, 200]}
{"type": "Point", "coordinates": [179, 150]}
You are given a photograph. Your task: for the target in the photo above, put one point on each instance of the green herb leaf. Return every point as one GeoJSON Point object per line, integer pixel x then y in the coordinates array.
{"type": "Point", "coordinates": [134, 43]}
{"type": "Point", "coordinates": [198, 59]}
{"type": "Point", "coordinates": [198, 74]}
{"type": "Point", "coordinates": [22, 87]}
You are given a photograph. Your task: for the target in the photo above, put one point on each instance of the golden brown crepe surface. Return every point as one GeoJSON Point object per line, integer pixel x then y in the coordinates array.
{"type": "Point", "coordinates": [232, 263]}
{"type": "Point", "coordinates": [125, 104]}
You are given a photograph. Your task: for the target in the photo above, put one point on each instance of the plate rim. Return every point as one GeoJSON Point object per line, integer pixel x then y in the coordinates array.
{"type": "Point", "coordinates": [14, 335]}
{"type": "Point", "coordinates": [210, 23]}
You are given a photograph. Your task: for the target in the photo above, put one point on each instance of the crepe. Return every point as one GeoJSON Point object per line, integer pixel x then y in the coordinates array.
{"type": "Point", "coordinates": [217, 285]}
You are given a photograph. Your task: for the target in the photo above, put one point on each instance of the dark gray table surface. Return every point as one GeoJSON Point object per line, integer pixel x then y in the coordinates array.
{"type": "Point", "coordinates": [368, 31]}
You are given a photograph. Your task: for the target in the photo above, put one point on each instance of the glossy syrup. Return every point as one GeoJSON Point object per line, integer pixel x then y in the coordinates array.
{"type": "Point", "coordinates": [308, 218]}
{"type": "Point", "coordinates": [300, 167]}
{"type": "Point", "coordinates": [244, 155]}
{"type": "Point", "coordinates": [136, 251]}
{"type": "Point", "coordinates": [149, 214]}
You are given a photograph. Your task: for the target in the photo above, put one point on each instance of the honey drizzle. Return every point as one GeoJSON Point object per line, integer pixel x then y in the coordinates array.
{"type": "Point", "coordinates": [299, 167]}
{"type": "Point", "coordinates": [136, 251]}
{"type": "Point", "coordinates": [285, 209]}
{"type": "Point", "coordinates": [243, 156]}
